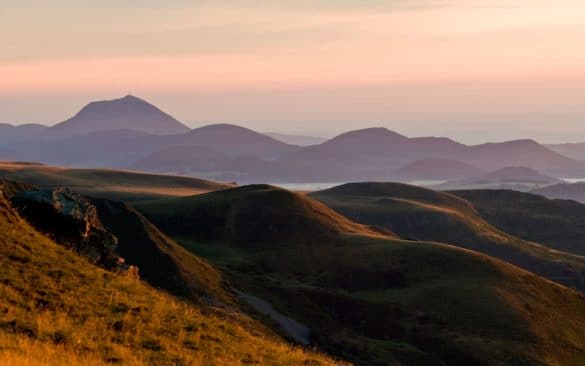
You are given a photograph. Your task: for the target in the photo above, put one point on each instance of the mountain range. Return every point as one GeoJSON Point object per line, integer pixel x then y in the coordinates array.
{"type": "Point", "coordinates": [132, 133]}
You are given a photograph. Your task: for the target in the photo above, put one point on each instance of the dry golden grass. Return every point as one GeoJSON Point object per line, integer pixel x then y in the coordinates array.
{"type": "Point", "coordinates": [58, 309]}
{"type": "Point", "coordinates": [121, 185]}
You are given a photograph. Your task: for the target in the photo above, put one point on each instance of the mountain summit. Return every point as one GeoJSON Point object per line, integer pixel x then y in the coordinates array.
{"type": "Point", "coordinates": [129, 112]}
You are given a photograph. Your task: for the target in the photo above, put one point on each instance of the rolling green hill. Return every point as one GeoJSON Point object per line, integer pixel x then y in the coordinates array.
{"type": "Point", "coordinates": [374, 298]}
{"type": "Point", "coordinates": [117, 185]}
{"type": "Point", "coordinates": [560, 222]}
{"type": "Point", "coordinates": [423, 214]}
{"type": "Point", "coordinates": [58, 309]}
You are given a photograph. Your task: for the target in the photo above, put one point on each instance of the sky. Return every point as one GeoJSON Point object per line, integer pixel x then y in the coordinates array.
{"type": "Point", "coordinates": [473, 70]}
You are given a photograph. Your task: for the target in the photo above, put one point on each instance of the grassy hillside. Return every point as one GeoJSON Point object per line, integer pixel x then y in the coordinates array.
{"type": "Point", "coordinates": [90, 223]}
{"type": "Point", "coordinates": [161, 261]}
{"type": "Point", "coordinates": [372, 298]}
{"type": "Point", "coordinates": [423, 214]}
{"type": "Point", "coordinates": [104, 183]}
{"type": "Point", "coordinates": [560, 222]}
{"type": "Point", "coordinates": [56, 309]}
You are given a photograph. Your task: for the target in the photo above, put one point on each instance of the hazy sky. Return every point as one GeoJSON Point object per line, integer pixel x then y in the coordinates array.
{"type": "Point", "coordinates": [474, 70]}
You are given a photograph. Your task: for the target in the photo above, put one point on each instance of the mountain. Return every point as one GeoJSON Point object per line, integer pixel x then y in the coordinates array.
{"type": "Point", "coordinates": [107, 183]}
{"type": "Point", "coordinates": [181, 159]}
{"type": "Point", "coordinates": [102, 149]}
{"type": "Point", "coordinates": [572, 150]}
{"type": "Point", "coordinates": [128, 148]}
{"type": "Point", "coordinates": [517, 177]}
{"type": "Point", "coordinates": [233, 141]}
{"type": "Point", "coordinates": [354, 146]}
{"type": "Point", "coordinates": [127, 132]}
{"type": "Point", "coordinates": [424, 214]}
{"type": "Point", "coordinates": [527, 153]}
{"type": "Point", "coordinates": [372, 298]}
{"type": "Point", "coordinates": [559, 222]}
{"type": "Point", "coordinates": [373, 153]}
{"type": "Point", "coordinates": [57, 308]}
{"type": "Point", "coordinates": [223, 152]}
{"type": "Point", "coordinates": [435, 169]}
{"type": "Point", "coordinates": [129, 113]}
{"type": "Point", "coordinates": [11, 133]}
{"type": "Point", "coordinates": [565, 191]}
{"type": "Point", "coordinates": [352, 155]}
{"type": "Point", "coordinates": [298, 140]}
{"type": "Point", "coordinates": [203, 162]}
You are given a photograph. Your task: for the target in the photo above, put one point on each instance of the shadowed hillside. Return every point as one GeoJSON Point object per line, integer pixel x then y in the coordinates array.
{"type": "Point", "coordinates": [423, 214]}
{"type": "Point", "coordinates": [559, 223]}
{"type": "Point", "coordinates": [105, 183]}
{"type": "Point", "coordinates": [372, 298]}
{"type": "Point", "coordinates": [56, 308]}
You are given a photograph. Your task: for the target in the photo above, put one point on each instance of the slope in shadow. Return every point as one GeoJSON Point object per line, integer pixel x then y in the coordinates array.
{"type": "Point", "coordinates": [423, 214]}
{"type": "Point", "coordinates": [559, 221]}
{"type": "Point", "coordinates": [374, 298]}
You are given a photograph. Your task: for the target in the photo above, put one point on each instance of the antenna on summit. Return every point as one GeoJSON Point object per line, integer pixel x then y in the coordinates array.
{"type": "Point", "coordinates": [129, 92]}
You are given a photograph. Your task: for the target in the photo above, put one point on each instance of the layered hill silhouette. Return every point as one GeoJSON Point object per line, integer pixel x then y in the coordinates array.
{"type": "Point", "coordinates": [573, 150]}
{"type": "Point", "coordinates": [130, 132]}
{"type": "Point", "coordinates": [371, 297]}
{"type": "Point", "coordinates": [513, 177]}
{"type": "Point", "coordinates": [58, 308]}
{"type": "Point", "coordinates": [555, 223]}
{"type": "Point", "coordinates": [423, 214]}
{"type": "Point", "coordinates": [128, 148]}
{"type": "Point", "coordinates": [432, 169]}
{"type": "Point", "coordinates": [234, 141]}
{"type": "Point", "coordinates": [10, 133]}
{"type": "Point", "coordinates": [566, 191]}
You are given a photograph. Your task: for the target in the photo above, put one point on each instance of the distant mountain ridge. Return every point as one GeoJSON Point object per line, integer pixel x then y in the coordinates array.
{"type": "Point", "coordinates": [128, 112]}
{"type": "Point", "coordinates": [435, 169]}
{"type": "Point", "coordinates": [565, 191]}
{"type": "Point", "coordinates": [513, 177]}
{"type": "Point", "coordinates": [132, 133]}
{"type": "Point", "coordinates": [574, 150]}
{"type": "Point", "coordinates": [9, 132]}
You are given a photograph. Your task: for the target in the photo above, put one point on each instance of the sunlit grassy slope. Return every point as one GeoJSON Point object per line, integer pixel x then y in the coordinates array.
{"type": "Point", "coordinates": [423, 214]}
{"type": "Point", "coordinates": [372, 298]}
{"type": "Point", "coordinates": [57, 309]}
{"type": "Point", "coordinates": [106, 183]}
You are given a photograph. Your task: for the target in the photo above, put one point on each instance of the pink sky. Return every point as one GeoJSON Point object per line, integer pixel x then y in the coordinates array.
{"type": "Point", "coordinates": [171, 50]}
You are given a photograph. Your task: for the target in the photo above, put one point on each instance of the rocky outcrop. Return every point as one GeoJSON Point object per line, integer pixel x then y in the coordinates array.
{"type": "Point", "coordinates": [116, 237]}
{"type": "Point", "coordinates": [71, 220]}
